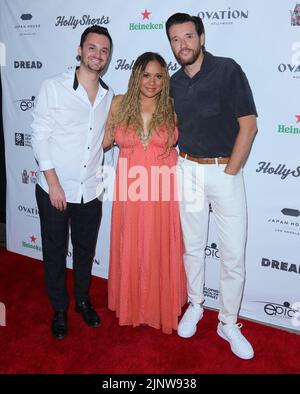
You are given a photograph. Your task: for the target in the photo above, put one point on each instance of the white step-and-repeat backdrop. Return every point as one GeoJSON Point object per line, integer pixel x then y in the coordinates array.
{"type": "Point", "coordinates": [39, 38]}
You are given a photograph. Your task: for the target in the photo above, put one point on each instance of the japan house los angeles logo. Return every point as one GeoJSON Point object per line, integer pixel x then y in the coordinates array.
{"type": "Point", "coordinates": [146, 24]}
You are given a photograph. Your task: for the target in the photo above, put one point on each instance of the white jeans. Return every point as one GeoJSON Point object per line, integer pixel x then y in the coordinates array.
{"type": "Point", "coordinates": [199, 185]}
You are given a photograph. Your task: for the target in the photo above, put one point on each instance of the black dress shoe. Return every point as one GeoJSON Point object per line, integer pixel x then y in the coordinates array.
{"type": "Point", "coordinates": [59, 324]}
{"type": "Point", "coordinates": [88, 313]}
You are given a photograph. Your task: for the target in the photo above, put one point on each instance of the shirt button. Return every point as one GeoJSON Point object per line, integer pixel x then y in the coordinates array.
{"type": "Point", "coordinates": [91, 128]}
{"type": "Point", "coordinates": [84, 166]}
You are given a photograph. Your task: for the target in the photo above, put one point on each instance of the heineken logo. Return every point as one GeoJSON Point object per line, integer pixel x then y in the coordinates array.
{"type": "Point", "coordinates": [146, 24]}
{"type": "Point", "coordinates": [290, 129]}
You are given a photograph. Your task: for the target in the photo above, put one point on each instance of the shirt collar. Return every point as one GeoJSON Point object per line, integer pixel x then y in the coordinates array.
{"type": "Point", "coordinates": [206, 65]}
{"type": "Point", "coordinates": [76, 83]}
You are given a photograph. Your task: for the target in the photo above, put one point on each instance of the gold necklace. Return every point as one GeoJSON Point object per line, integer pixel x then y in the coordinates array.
{"type": "Point", "coordinates": [144, 137]}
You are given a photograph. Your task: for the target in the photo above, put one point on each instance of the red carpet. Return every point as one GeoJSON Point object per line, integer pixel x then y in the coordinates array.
{"type": "Point", "coordinates": [27, 345]}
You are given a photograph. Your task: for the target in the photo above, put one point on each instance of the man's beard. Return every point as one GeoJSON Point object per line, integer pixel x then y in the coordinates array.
{"type": "Point", "coordinates": [191, 60]}
{"type": "Point", "coordinates": [97, 69]}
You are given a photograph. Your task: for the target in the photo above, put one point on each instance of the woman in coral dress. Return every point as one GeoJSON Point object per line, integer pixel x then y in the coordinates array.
{"type": "Point", "coordinates": [147, 284]}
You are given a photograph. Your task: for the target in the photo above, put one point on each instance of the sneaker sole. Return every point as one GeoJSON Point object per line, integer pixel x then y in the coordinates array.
{"type": "Point", "coordinates": [193, 332]}
{"type": "Point", "coordinates": [220, 333]}
{"type": "Point", "coordinates": [187, 336]}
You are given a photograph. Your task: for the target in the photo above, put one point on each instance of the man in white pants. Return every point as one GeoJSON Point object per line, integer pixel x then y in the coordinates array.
{"type": "Point", "coordinates": [217, 124]}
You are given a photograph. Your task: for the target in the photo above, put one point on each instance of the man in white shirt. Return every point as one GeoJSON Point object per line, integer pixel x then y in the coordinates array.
{"type": "Point", "coordinates": [68, 130]}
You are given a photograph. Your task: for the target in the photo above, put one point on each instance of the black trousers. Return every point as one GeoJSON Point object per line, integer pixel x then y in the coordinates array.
{"type": "Point", "coordinates": [84, 220]}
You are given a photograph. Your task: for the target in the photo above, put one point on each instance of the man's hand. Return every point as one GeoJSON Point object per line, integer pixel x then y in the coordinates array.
{"type": "Point", "coordinates": [56, 192]}
{"type": "Point", "coordinates": [57, 197]}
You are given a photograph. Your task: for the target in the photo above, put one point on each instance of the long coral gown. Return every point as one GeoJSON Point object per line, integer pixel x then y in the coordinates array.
{"type": "Point", "coordinates": [147, 283]}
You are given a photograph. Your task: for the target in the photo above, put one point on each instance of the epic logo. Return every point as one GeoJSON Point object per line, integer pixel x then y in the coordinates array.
{"type": "Point", "coordinates": [278, 310]}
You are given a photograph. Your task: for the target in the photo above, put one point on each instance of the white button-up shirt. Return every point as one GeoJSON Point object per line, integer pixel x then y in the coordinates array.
{"type": "Point", "coordinates": [67, 135]}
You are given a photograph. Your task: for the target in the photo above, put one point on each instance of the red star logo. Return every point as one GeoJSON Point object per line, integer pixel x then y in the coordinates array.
{"type": "Point", "coordinates": [298, 118]}
{"type": "Point", "coordinates": [33, 239]}
{"type": "Point", "coordinates": [146, 14]}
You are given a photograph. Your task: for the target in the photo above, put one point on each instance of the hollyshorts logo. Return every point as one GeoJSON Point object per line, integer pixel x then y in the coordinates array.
{"type": "Point", "coordinates": [212, 251]}
{"type": "Point", "coordinates": [32, 243]}
{"type": "Point", "coordinates": [280, 265]}
{"type": "Point", "coordinates": [211, 293]}
{"type": "Point", "coordinates": [28, 64]}
{"type": "Point", "coordinates": [145, 23]}
{"type": "Point", "coordinates": [223, 17]}
{"type": "Point", "coordinates": [284, 311]}
{"type": "Point", "coordinates": [28, 211]}
{"type": "Point", "coordinates": [295, 15]}
{"type": "Point", "coordinates": [23, 139]}
{"type": "Point", "coordinates": [25, 104]}
{"type": "Point", "coordinates": [125, 65]}
{"type": "Point", "coordinates": [292, 68]}
{"type": "Point", "coordinates": [287, 223]}
{"type": "Point", "coordinates": [281, 170]}
{"type": "Point", "coordinates": [29, 176]}
{"type": "Point", "coordinates": [84, 20]}
{"type": "Point", "coordinates": [27, 26]}
{"type": "Point", "coordinates": [95, 260]}
{"type": "Point", "coordinates": [290, 129]}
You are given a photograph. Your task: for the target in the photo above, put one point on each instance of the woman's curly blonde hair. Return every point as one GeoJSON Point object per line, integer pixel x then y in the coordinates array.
{"type": "Point", "coordinates": [129, 113]}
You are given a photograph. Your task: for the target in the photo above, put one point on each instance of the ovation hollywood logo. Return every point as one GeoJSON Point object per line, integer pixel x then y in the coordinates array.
{"type": "Point", "coordinates": [280, 170]}
{"type": "Point", "coordinates": [84, 20]}
{"type": "Point", "coordinates": [146, 23]}
{"type": "Point", "coordinates": [292, 68]}
{"type": "Point", "coordinates": [29, 211]}
{"type": "Point", "coordinates": [286, 223]}
{"type": "Point", "coordinates": [70, 256]}
{"type": "Point", "coordinates": [285, 129]}
{"type": "Point", "coordinates": [223, 17]}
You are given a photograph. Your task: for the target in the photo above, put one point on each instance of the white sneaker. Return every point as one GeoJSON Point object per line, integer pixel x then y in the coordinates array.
{"type": "Point", "coordinates": [188, 324]}
{"type": "Point", "coordinates": [238, 343]}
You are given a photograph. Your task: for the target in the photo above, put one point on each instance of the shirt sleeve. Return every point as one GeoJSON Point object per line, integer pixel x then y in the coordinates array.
{"type": "Point", "coordinates": [42, 128]}
{"type": "Point", "coordinates": [240, 94]}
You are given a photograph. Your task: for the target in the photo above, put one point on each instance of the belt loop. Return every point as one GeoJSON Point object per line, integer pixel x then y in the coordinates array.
{"type": "Point", "coordinates": [217, 160]}
{"type": "Point", "coordinates": [185, 156]}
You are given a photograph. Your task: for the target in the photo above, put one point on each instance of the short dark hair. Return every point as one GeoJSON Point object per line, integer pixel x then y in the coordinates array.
{"type": "Point", "coordinates": [181, 17]}
{"type": "Point", "coordinates": [95, 29]}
